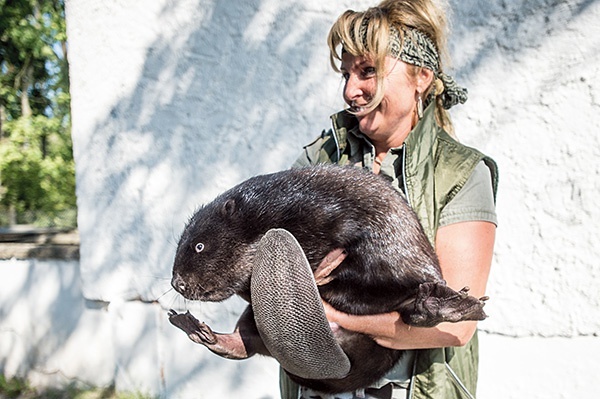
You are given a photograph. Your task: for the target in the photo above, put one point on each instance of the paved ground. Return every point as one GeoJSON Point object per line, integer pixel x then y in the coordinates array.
{"type": "Point", "coordinates": [26, 242]}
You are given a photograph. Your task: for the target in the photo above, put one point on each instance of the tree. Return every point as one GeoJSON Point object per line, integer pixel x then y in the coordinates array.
{"type": "Point", "coordinates": [36, 161]}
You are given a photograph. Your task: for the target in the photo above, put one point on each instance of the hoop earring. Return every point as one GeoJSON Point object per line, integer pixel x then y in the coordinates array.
{"type": "Point", "coordinates": [420, 106]}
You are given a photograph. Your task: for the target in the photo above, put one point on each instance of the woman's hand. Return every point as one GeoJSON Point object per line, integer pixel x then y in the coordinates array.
{"type": "Point", "coordinates": [388, 330]}
{"type": "Point", "coordinates": [465, 253]}
{"type": "Point", "coordinates": [377, 326]}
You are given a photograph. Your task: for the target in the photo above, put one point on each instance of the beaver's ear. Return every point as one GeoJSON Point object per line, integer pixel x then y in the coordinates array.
{"type": "Point", "coordinates": [228, 208]}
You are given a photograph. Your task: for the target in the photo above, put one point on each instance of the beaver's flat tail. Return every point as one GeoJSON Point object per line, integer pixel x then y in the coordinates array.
{"type": "Point", "coordinates": [289, 313]}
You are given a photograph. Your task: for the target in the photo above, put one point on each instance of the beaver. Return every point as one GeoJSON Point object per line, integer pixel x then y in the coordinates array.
{"type": "Point", "coordinates": [388, 264]}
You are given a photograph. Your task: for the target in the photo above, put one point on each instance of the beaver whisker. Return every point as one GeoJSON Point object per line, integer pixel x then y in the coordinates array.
{"type": "Point", "coordinates": [164, 293]}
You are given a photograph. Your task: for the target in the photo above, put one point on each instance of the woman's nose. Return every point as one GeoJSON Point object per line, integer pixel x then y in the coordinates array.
{"type": "Point", "coordinates": [353, 88]}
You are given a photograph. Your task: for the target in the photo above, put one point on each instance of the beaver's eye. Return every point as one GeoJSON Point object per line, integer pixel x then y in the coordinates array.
{"type": "Point", "coordinates": [199, 247]}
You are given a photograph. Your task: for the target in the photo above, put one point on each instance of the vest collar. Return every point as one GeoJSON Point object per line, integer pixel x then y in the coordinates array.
{"type": "Point", "coordinates": [343, 122]}
{"type": "Point", "coordinates": [421, 138]}
{"type": "Point", "coordinates": [421, 141]}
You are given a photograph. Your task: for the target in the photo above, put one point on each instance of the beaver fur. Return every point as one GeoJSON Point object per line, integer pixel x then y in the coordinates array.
{"type": "Point", "coordinates": [389, 265]}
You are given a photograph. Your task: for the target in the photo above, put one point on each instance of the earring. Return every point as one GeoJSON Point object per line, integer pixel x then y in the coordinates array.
{"type": "Point", "coordinates": [420, 106]}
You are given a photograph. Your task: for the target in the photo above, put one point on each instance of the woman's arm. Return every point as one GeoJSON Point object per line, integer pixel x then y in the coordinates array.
{"type": "Point", "coordinates": [465, 252]}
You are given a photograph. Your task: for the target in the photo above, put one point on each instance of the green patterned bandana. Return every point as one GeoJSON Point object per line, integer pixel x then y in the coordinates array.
{"type": "Point", "coordinates": [417, 49]}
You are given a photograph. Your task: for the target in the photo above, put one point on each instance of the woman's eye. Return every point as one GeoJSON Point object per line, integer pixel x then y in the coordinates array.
{"type": "Point", "coordinates": [199, 247]}
{"type": "Point", "coordinates": [346, 76]}
{"type": "Point", "coordinates": [369, 71]}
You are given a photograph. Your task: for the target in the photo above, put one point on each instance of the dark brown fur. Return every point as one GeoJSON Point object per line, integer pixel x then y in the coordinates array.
{"type": "Point", "coordinates": [324, 207]}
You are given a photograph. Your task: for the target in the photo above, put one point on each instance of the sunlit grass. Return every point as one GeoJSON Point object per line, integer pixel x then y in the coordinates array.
{"type": "Point", "coordinates": [17, 388]}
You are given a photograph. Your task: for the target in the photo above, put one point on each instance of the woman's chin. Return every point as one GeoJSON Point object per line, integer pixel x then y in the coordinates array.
{"type": "Point", "coordinates": [367, 125]}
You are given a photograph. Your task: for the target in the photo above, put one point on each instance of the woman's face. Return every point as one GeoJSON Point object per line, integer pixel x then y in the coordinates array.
{"type": "Point", "coordinates": [392, 120]}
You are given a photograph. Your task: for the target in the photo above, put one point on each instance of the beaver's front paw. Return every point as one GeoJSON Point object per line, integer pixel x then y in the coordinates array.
{"type": "Point", "coordinates": [197, 331]}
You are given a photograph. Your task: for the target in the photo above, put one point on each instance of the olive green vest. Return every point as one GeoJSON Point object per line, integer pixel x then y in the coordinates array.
{"type": "Point", "coordinates": [435, 168]}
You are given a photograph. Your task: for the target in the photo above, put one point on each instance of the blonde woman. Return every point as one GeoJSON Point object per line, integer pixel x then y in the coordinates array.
{"type": "Point", "coordinates": [397, 125]}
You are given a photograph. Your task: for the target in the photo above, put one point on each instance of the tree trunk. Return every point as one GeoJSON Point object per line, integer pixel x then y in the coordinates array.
{"type": "Point", "coordinates": [2, 116]}
{"type": "Point", "coordinates": [12, 215]}
{"type": "Point", "coordinates": [25, 83]}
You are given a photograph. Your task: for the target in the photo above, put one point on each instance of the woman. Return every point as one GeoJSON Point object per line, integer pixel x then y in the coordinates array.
{"type": "Point", "coordinates": [397, 125]}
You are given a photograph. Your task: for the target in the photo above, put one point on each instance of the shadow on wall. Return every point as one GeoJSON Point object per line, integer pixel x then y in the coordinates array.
{"type": "Point", "coordinates": [488, 43]}
{"type": "Point", "coordinates": [216, 102]}
{"type": "Point", "coordinates": [236, 93]}
{"type": "Point", "coordinates": [229, 101]}
{"type": "Point", "coordinates": [41, 308]}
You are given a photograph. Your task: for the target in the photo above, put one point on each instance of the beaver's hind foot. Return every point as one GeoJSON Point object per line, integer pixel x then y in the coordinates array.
{"type": "Point", "coordinates": [436, 303]}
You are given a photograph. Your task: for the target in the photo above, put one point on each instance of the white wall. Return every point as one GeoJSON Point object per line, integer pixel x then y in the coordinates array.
{"type": "Point", "coordinates": [52, 335]}
{"type": "Point", "coordinates": [175, 101]}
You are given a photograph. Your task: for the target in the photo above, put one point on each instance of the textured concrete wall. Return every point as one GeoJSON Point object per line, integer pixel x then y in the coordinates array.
{"type": "Point", "coordinates": [533, 73]}
{"type": "Point", "coordinates": [175, 101]}
{"type": "Point", "coordinates": [53, 336]}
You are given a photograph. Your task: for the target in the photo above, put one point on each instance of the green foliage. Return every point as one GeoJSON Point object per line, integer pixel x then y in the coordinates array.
{"type": "Point", "coordinates": [11, 389]}
{"type": "Point", "coordinates": [17, 388]}
{"type": "Point", "coordinates": [36, 163]}
{"type": "Point", "coordinates": [32, 56]}
{"type": "Point", "coordinates": [36, 166]}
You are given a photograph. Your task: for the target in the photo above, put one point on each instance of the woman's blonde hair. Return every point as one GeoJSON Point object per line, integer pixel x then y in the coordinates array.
{"type": "Point", "coordinates": [368, 33]}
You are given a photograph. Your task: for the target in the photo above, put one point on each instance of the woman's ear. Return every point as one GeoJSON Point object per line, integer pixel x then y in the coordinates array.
{"type": "Point", "coordinates": [424, 79]}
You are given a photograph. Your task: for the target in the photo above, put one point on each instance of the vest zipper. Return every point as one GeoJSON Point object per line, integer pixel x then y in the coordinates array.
{"type": "Point", "coordinates": [404, 187]}
{"type": "Point", "coordinates": [411, 384]}
{"type": "Point", "coordinates": [457, 380]}
{"type": "Point", "coordinates": [337, 146]}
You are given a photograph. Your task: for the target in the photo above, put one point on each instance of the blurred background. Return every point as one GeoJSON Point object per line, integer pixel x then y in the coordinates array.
{"type": "Point", "coordinates": [37, 172]}
{"type": "Point", "coordinates": [164, 104]}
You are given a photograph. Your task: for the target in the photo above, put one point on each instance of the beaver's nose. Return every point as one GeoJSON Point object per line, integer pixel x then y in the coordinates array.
{"type": "Point", "coordinates": [178, 283]}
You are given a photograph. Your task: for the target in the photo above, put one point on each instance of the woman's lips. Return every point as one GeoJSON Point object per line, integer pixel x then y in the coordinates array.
{"type": "Point", "coordinates": [357, 109]}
